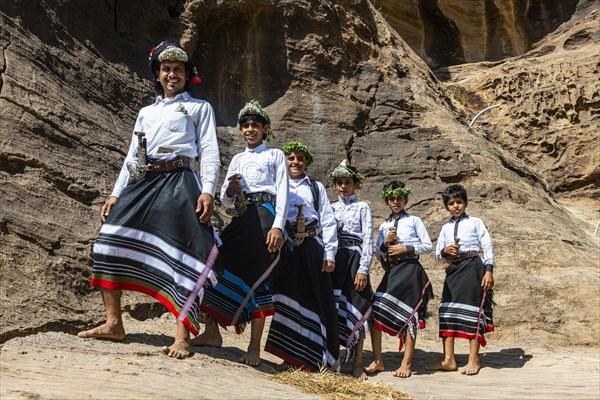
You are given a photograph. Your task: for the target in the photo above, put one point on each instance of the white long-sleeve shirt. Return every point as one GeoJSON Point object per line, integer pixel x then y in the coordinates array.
{"type": "Point", "coordinates": [300, 193]}
{"type": "Point", "coordinates": [183, 126]}
{"type": "Point", "coordinates": [410, 231]}
{"type": "Point", "coordinates": [263, 170]}
{"type": "Point", "coordinates": [473, 236]}
{"type": "Point", "coordinates": [355, 219]}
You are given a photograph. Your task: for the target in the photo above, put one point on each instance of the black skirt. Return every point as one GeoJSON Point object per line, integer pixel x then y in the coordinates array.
{"type": "Point", "coordinates": [466, 309]}
{"type": "Point", "coordinates": [152, 242]}
{"type": "Point", "coordinates": [244, 260]}
{"type": "Point", "coordinates": [400, 302]}
{"type": "Point", "coordinates": [354, 307]}
{"type": "Point", "coordinates": [304, 329]}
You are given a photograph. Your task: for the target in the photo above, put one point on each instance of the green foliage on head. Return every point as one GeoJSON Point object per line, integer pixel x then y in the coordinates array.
{"type": "Point", "coordinates": [346, 171]}
{"type": "Point", "coordinates": [254, 110]}
{"type": "Point", "coordinates": [297, 147]}
{"type": "Point", "coordinates": [395, 189]}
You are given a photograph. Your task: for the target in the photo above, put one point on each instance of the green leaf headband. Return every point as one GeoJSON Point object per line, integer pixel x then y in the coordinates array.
{"type": "Point", "coordinates": [253, 107]}
{"type": "Point", "coordinates": [172, 53]}
{"type": "Point", "coordinates": [342, 171]}
{"type": "Point", "coordinates": [296, 147]}
{"type": "Point", "coordinates": [388, 192]}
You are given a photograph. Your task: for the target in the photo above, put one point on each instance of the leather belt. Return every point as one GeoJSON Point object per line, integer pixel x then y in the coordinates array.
{"type": "Point", "coordinates": [311, 230]}
{"type": "Point", "coordinates": [170, 165]}
{"type": "Point", "coordinates": [463, 256]}
{"type": "Point", "coordinates": [261, 197]}
{"type": "Point", "coordinates": [349, 242]}
{"type": "Point", "coordinates": [395, 260]}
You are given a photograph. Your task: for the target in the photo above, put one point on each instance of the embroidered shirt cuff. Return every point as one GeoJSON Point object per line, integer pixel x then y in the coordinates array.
{"type": "Point", "coordinates": [489, 267]}
{"type": "Point", "coordinates": [410, 249]}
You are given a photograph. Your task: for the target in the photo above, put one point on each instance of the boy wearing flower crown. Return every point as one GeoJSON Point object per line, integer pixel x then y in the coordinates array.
{"type": "Point", "coordinates": [304, 329]}
{"type": "Point", "coordinates": [400, 302]}
{"type": "Point", "coordinates": [256, 186]}
{"type": "Point", "coordinates": [351, 285]}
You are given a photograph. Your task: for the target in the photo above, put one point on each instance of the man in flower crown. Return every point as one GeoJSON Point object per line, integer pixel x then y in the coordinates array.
{"type": "Point", "coordinates": [156, 236]}
{"type": "Point", "coordinates": [256, 186]}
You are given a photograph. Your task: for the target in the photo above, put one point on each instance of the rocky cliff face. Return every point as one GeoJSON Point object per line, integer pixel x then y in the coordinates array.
{"type": "Point", "coordinates": [333, 74]}
{"type": "Point", "coordinates": [445, 32]}
{"type": "Point", "coordinates": [549, 102]}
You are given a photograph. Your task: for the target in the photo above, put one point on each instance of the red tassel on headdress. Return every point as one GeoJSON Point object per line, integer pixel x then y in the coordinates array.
{"type": "Point", "coordinates": [196, 80]}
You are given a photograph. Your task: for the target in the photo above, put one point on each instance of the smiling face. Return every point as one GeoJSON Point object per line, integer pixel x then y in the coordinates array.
{"type": "Point", "coordinates": [396, 204]}
{"type": "Point", "coordinates": [345, 186]}
{"type": "Point", "coordinates": [253, 133]}
{"type": "Point", "coordinates": [172, 78]}
{"type": "Point", "coordinates": [297, 164]}
{"type": "Point", "coordinates": [456, 206]}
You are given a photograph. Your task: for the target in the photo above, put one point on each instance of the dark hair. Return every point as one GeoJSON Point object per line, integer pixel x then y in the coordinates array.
{"type": "Point", "coordinates": [252, 117]}
{"type": "Point", "coordinates": [454, 191]}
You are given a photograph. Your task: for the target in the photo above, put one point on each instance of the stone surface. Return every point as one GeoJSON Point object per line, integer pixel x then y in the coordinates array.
{"type": "Point", "coordinates": [549, 114]}
{"type": "Point", "coordinates": [333, 74]}
{"type": "Point", "coordinates": [445, 32]}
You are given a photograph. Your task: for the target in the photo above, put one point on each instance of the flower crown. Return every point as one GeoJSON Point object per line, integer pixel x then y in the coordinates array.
{"type": "Point", "coordinates": [344, 171]}
{"type": "Point", "coordinates": [171, 51]}
{"type": "Point", "coordinates": [253, 107]}
{"type": "Point", "coordinates": [393, 192]}
{"type": "Point", "coordinates": [296, 147]}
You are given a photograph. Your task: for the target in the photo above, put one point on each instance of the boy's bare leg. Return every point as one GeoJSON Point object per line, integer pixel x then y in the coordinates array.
{"type": "Point", "coordinates": [377, 363]}
{"type": "Point", "coordinates": [252, 356]}
{"type": "Point", "coordinates": [181, 347]}
{"type": "Point", "coordinates": [211, 336]}
{"type": "Point", "coordinates": [113, 327]}
{"type": "Point", "coordinates": [473, 366]}
{"type": "Point", "coordinates": [405, 369]}
{"type": "Point", "coordinates": [357, 369]}
{"type": "Point", "coordinates": [449, 362]}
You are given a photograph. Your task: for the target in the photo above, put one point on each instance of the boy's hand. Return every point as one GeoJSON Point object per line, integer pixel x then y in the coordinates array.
{"type": "Point", "coordinates": [390, 238]}
{"type": "Point", "coordinates": [235, 186]}
{"type": "Point", "coordinates": [396, 249]}
{"type": "Point", "coordinates": [205, 207]}
{"type": "Point", "coordinates": [108, 204]}
{"type": "Point", "coordinates": [488, 281]}
{"type": "Point", "coordinates": [360, 281]}
{"type": "Point", "coordinates": [452, 250]}
{"type": "Point", "coordinates": [328, 266]}
{"type": "Point", "coordinates": [275, 240]}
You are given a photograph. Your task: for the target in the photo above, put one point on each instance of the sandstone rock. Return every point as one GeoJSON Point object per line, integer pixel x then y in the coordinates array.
{"type": "Point", "coordinates": [549, 107]}
{"type": "Point", "coordinates": [456, 32]}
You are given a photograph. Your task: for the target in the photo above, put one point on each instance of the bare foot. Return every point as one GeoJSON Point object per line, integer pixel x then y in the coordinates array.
{"type": "Point", "coordinates": [472, 368]}
{"type": "Point", "coordinates": [107, 331]}
{"type": "Point", "coordinates": [375, 367]}
{"type": "Point", "coordinates": [285, 366]}
{"type": "Point", "coordinates": [179, 349]}
{"type": "Point", "coordinates": [208, 338]}
{"type": "Point", "coordinates": [359, 373]}
{"type": "Point", "coordinates": [251, 357]}
{"type": "Point", "coordinates": [404, 371]}
{"type": "Point", "coordinates": [444, 365]}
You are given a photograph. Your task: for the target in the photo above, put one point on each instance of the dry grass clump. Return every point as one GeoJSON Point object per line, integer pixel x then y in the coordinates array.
{"type": "Point", "coordinates": [334, 386]}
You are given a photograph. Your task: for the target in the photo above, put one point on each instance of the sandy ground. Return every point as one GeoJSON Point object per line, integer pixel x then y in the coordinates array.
{"type": "Point", "coordinates": [55, 365]}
